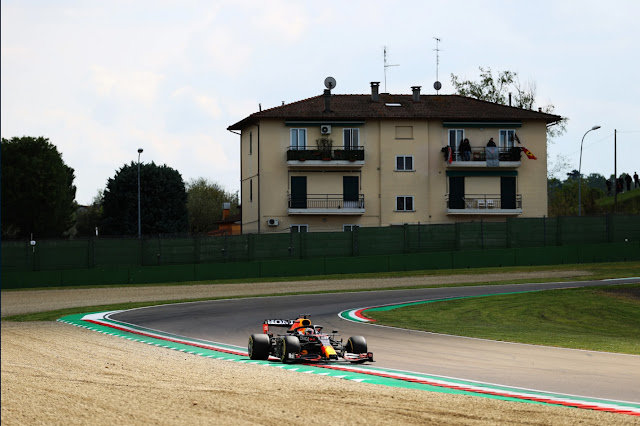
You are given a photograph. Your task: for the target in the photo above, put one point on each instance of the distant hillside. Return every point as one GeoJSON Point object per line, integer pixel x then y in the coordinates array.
{"type": "Point", "coordinates": [628, 202]}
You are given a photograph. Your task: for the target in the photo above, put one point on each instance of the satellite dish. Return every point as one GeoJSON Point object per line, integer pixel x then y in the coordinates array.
{"type": "Point", "coordinates": [437, 85]}
{"type": "Point", "coordinates": [329, 83]}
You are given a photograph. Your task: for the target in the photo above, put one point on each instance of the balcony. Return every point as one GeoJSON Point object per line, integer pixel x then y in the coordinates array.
{"type": "Point", "coordinates": [507, 157]}
{"type": "Point", "coordinates": [484, 204]}
{"type": "Point", "coordinates": [331, 157]}
{"type": "Point", "coordinates": [326, 204]}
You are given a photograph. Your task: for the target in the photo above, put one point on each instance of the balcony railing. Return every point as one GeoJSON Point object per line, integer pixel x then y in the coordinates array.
{"type": "Point", "coordinates": [326, 203]}
{"type": "Point", "coordinates": [326, 154]}
{"type": "Point", "coordinates": [478, 154]}
{"type": "Point", "coordinates": [484, 204]}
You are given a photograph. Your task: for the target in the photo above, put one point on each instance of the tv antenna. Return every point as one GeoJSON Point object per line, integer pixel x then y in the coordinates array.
{"type": "Point", "coordinates": [385, 68]}
{"type": "Point", "coordinates": [437, 85]}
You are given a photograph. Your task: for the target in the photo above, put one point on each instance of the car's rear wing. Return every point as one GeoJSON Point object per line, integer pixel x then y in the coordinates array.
{"type": "Point", "coordinates": [288, 323]}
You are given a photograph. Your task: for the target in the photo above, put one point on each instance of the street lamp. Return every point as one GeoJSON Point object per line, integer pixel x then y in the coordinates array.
{"type": "Point", "coordinates": [580, 171]}
{"type": "Point", "coordinates": [139, 221]}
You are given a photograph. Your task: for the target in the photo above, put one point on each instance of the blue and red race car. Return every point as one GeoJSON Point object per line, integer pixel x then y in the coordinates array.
{"type": "Point", "coordinates": [304, 341]}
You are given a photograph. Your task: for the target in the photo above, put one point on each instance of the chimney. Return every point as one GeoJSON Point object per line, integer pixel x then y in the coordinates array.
{"type": "Point", "coordinates": [327, 100]}
{"type": "Point", "coordinates": [226, 207]}
{"type": "Point", "coordinates": [416, 93]}
{"type": "Point", "coordinates": [375, 97]}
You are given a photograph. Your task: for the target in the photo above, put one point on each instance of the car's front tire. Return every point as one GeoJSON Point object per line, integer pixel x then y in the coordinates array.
{"type": "Point", "coordinates": [259, 347]}
{"type": "Point", "coordinates": [289, 345]}
{"type": "Point", "coordinates": [356, 345]}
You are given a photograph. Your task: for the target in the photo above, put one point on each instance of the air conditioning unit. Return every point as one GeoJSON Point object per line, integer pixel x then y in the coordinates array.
{"type": "Point", "coordinates": [325, 129]}
{"type": "Point", "coordinates": [273, 222]}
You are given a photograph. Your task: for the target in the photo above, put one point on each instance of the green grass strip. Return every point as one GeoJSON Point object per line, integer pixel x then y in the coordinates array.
{"type": "Point", "coordinates": [603, 318]}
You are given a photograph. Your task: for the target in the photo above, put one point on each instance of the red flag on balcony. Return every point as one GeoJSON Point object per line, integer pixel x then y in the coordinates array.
{"type": "Point", "coordinates": [450, 155]}
{"type": "Point", "coordinates": [528, 153]}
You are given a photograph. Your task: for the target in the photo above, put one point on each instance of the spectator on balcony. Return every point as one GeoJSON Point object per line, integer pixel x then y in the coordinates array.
{"type": "Point", "coordinates": [491, 142]}
{"type": "Point", "coordinates": [465, 150]}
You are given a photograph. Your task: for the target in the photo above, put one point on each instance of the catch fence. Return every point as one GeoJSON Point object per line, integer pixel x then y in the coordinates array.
{"type": "Point", "coordinates": [52, 255]}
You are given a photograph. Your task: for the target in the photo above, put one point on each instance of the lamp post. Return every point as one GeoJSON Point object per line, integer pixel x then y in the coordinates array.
{"type": "Point", "coordinates": [139, 217]}
{"type": "Point", "coordinates": [580, 171]}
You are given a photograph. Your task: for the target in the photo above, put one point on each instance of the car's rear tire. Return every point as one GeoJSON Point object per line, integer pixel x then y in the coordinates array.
{"type": "Point", "coordinates": [289, 345]}
{"type": "Point", "coordinates": [259, 347]}
{"type": "Point", "coordinates": [356, 345]}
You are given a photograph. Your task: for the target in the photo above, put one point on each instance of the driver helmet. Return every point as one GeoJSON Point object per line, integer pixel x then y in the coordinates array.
{"type": "Point", "coordinates": [309, 331]}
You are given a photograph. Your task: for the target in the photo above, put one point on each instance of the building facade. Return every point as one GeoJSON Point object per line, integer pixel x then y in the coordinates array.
{"type": "Point", "coordinates": [334, 162]}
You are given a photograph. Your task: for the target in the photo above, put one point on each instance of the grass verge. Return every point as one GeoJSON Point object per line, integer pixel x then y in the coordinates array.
{"type": "Point", "coordinates": [603, 318]}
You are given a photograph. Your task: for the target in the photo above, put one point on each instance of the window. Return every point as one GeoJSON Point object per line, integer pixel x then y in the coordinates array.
{"type": "Point", "coordinates": [404, 163]}
{"type": "Point", "coordinates": [299, 228]}
{"type": "Point", "coordinates": [404, 203]}
{"type": "Point", "coordinates": [250, 143]}
{"type": "Point", "coordinates": [298, 138]}
{"type": "Point", "coordinates": [404, 132]}
{"type": "Point", "coordinates": [350, 228]}
{"type": "Point", "coordinates": [351, 138]}
{"type": "Point", "coordinates": [506, 138]}
{"type": "Point", "coordinates": [455, 137]}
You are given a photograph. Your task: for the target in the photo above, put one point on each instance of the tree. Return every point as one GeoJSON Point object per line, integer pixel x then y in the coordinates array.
{"type": "Point", "coordinates": [495, 89]}
{"type": "Point", "coordinates": [163, 201]}
{"type": "Point", "coordinates": [37, 189]}
{"type": "Point", "coordinates": [204, 204]}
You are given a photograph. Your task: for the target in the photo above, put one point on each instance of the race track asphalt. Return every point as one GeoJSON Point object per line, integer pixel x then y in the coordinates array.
{"type": "Point", "coordinates": [567, 371]}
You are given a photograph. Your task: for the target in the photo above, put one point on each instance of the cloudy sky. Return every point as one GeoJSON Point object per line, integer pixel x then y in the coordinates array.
{"type": "Point", "coordinates": [101, 79]}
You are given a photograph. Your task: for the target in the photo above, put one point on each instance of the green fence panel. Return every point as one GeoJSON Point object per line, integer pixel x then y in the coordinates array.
{"type": "Point", "coordinates": [624, 228]}
{"type": "Point", "coordinates": [31, 279]}
{"type": "Point", "coordinates": [121, 252]}
{"type": "Point", "coordinates": [96, 276]}
{"type": "Point", "coordinates": [226, 271]}
{"type": "Point", "coordinates": [16, 256]}
{"type": "Point", "coordinates": [356, 265]}
{"type": "Point", "coordinates": [333, 244]}
{"type": "Point", "coordinates": [162, 274]}
{"type": "Point", "coordinates": [547, 255]}
{"type": "Point", "coordinates": [494, 235]}
{"type": "Point", "coordinates": [421, 261]}
{"type": "Point", "coordinates": [613, 252]}
{"type": "Point", "coordinates": [428, 238]}
{"type": "Point", "coordinates": [583, 230]}
{"type": "Point", "coordinates": [377, 241]}
{"type": "Point", "coordinates": [469, 235]}
{"type": "Point", "coordinates": [61, 254]}
{"type": "Point", "coordinates": [483, 258]}
{"type": "Point", "coordinates": [274, 246]}
{"type": "Point", "coordinates": [292, 268]}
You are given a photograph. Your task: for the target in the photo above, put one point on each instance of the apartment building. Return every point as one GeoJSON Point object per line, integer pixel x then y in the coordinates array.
{"type": "Point", "coordinates": [335, 162]}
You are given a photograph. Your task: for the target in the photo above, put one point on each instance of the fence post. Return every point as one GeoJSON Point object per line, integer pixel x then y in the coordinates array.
{"type": "Point", "coordinates": [354, 241]}
{"type": "Point", "coordinates": [558, 231]}
{"type": "Point", "coordinates": [457, 235]}
{"type": "Point", "coordinates": [508, 231]}
{"type": "Point", "coordinates": [544, 231]}
{"type": "Point", "coordinates": [481, 234]}
{"type": "Point", "coordinates": [405, 242]}
{"type": "Point", "coordinates": [250, 247]}
{"type": "Point", "coordinates": [90, 253]}
{"type": "Point", "coordinates": [196, 249]}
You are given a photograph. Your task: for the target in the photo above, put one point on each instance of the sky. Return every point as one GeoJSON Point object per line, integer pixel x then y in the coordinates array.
{"type": "Point", "coordinates": [101, 79]}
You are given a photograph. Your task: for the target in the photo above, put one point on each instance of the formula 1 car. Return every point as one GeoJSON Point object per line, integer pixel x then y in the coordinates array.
{"type": "Point", "coordinates": [305, 342]}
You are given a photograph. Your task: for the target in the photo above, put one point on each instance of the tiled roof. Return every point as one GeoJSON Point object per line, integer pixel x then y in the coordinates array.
{"type": "Point", "coordinates": [362, 107]}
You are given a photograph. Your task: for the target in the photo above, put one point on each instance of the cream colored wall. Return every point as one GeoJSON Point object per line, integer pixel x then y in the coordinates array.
{"type": "Point", "coordinates": [379, 181]}
{"type": "Point", "coordinates": [395, 183]}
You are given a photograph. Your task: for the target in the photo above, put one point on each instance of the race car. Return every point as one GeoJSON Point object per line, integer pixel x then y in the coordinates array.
{"type": "Point", "coordinates": [304, 341]}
